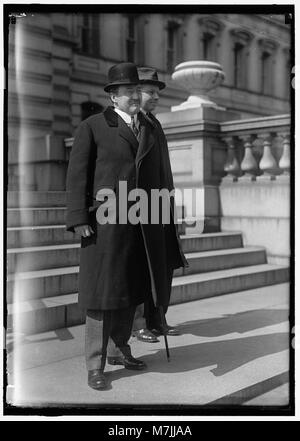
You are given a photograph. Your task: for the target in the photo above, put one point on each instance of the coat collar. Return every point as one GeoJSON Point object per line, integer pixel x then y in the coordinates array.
{"type": "Point", "coordinates": [149, 117]}
{"type": "Point", "coordinates": [114, 120]}
{"type": "Point", "coordinates": [147, 139]}
{"type": "Point", "coordinates": [147, 127]}
{"type": "Point", "coordinates": [111, 116]}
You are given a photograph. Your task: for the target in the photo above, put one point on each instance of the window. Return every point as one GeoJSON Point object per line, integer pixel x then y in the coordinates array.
{"type": "Point", "coordinates": [131, 38]}
{"type": "Point", "coordinates": [240, 51]}
{"type": "Point", "coordinates": [266, 73]}
{"type": "Point", "coordinates": [267, 66]}
{"type": "Point", "coordinates": [134, 38]}
{"type": "Point", "coordinates": [90, 35]}
{"type": "Point", "coordinates": [238, 65]}
{"type": "Point", "coordinates": [287, 75]}
{"type": "Point", "coordinates": [207, 40]}
{"type": "Point", "coordinates": [173, 45]}
{"type": "Point", "coordinates": [210, 33]}
{"type": "Point", "coordinates": [288, 80]}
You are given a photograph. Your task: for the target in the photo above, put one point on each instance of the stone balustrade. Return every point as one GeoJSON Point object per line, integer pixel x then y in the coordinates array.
{"type": "Point", "coordinates": [255, 195]}
{"type": "Point", "coordinates": [257, 148]}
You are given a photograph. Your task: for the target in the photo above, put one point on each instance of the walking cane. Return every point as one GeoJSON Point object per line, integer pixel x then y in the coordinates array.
{"type": "Point", "coordinates": [164, 327]}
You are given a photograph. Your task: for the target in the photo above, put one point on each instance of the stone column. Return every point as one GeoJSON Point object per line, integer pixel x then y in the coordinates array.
{"type": "Point", "coordinates": [253, 78]}
{"type": "Point", "coordinates": [191, 40]}
{"type": "Point", "coordinates": [249, 165]}
{"type": "Point", "coordinates": [111, 36]}
{"type": "Point", "coordinates": [285, 160]}
{"type": "Point", "coordinates": [154, 37]}
{"type": "Point", "coordinates": [231, 167]}
{"type": "Point", "coordinates": [267, 164]}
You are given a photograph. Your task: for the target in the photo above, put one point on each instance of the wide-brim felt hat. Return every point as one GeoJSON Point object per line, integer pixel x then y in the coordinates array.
{"type": "Point", "coordinates": [149, 75]}
{"type": "Point", "coordinates": [122, 74]}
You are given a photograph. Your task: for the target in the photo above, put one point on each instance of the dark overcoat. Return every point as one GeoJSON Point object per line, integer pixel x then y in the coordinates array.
{"type": "Point", "coordinates": [120, 264]}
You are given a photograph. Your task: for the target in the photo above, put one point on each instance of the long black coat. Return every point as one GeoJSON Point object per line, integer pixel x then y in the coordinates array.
{"type": "Point", "coordinates": [119, 264]}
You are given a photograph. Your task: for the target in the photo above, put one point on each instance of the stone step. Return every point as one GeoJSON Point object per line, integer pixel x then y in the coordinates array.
{"type": "Point", "coordinates": [17, 199]}
{"type": "Point", "coordinates": [42, 257]}
{"type": "Point", "coordinates": [46, 314]}
{"type": "Point", "coordinates": [53, 256]}
{"type": "Point", "coordinates": [26, 216]}
{"type": "Point", "coordinates": [211, 241]}
{"type": "Point", "coordinates": [31, 198]}
{"type": "Point", "coordinates": [31, 236]}
{"type": "Point", "coordinates": [46, 216]}
{"type": "Point", "coordinates": [52, 282]}
{"type": "Point", "coordinates": [32, 285]}
{"type": "Point", "coordinates": [39, 235]}
{"type": "Point", "coordinates": [36, 199]}
{"type": "Point", "coordinates": [206, 261]}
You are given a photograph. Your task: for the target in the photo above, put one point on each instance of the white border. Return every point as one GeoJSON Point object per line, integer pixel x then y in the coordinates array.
{"type": "Point", "coordinates": [175, 418]}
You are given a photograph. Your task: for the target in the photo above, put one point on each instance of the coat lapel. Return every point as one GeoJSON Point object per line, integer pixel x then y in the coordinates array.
{"type": "Point", "coordinates": [113, 120]}
{"type": "Point", "coordinates": [147, 139]}
{"type": "Point", "coordinates": [126, 133]}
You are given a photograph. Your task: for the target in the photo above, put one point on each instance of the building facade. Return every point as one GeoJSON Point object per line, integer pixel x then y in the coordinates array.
{"type": "Point", "coordinates": [58, 63]}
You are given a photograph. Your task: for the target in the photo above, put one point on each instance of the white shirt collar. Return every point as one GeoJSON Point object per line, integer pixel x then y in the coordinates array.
{"type": "Point", "coordinates": [124, 116]}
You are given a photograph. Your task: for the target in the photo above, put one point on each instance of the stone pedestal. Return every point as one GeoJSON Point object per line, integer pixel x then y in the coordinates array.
{"type": "Point", "coordinates": [261, 210]}
{"type": "Point", "coordinates": [197, 157]}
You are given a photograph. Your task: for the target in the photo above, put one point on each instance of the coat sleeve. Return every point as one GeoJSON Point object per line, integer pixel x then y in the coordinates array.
{"type": "Point", "coordinates": [77, 177]}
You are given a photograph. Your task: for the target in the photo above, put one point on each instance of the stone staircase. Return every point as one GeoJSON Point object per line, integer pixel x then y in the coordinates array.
{"type": "Point", "coordinates": [42, 265]}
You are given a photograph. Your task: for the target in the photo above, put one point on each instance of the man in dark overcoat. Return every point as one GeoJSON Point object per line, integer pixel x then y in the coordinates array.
{"type": "Point", "coordinates": [121, 264]}
{"type": "Point", "coordinates": [147, 323]}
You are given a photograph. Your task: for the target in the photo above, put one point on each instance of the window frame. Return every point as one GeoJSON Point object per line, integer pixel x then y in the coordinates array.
{"type": "Point", "coordinates": [90, 32]}
{"type": "Point", "coordinates": [268, 47]}
{"type": "Point", "coordinates": [173, 54]}
{"type": "Point", "coordinates": [211, 28]}
{"type": "Point", "coordinates": [242, 39]}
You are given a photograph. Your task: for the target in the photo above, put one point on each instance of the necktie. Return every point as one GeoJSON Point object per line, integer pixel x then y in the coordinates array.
{"type": "Point", "coordinates": [134, 128]}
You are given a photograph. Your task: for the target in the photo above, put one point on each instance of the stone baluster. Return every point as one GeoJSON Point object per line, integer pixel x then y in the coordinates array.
{"type": "Point", "coordinates": [268, 163]}
{"type": "Point", "coordinates": [231, 167]}
{"type": "Point", "coordinates": [285, 160]}
{"type": "Point", "coordinates": [249, 165]}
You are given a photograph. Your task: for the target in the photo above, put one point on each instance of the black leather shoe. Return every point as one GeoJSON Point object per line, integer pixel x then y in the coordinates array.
{"type": "Point", "coordinates": [171, 330]}
{"type": "Point", "coordinates": [97, 380]}
{"type": "Point", "coordinates": [145, 335]}
{"type": "Point", "coordinates": [128, 362]}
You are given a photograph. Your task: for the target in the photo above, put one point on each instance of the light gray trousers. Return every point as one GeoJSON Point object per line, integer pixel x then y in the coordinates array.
{"type": "Point", "coordinates": [117, 328]}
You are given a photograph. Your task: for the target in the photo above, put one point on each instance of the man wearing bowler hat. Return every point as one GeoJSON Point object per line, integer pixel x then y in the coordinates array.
{"type": "Point", "coordinates": [147, 324]}
{"type": "Point", "coordinates": [113, 274]}
{"type": "Point", "coordinates": [121, 264]}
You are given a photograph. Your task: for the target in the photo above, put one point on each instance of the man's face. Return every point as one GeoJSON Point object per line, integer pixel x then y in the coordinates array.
{"type": "Point", "coordinates": [127, 98]}
{"type": "Point", "coordinates": [150, 97]}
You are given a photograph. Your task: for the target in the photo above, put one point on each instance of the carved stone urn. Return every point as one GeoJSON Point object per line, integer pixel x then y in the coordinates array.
{"type": "Point", "coordinates": [198, 77]}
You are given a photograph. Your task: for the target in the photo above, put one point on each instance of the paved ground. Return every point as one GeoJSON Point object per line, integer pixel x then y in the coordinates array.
{"type": "Point", "coordinates": [233, 349]}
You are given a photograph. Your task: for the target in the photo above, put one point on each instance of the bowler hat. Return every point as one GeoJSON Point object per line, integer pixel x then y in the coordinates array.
{"type": "Point", "coordinates": [149, 75]}
{"type": "Point", "coordinates": [122, 74]}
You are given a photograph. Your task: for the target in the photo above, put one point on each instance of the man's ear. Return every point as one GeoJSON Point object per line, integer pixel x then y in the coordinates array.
{"type": "Point", "coordinates": [112, 97]}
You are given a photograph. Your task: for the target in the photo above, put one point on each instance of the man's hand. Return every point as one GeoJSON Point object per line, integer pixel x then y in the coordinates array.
{"type": "Point", "coordinates": [84, 230]}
